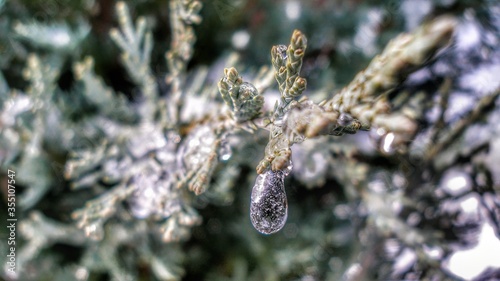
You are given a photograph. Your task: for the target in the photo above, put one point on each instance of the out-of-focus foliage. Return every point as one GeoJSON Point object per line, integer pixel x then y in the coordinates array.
{"type": "Point", "coordinates": [136, 152]}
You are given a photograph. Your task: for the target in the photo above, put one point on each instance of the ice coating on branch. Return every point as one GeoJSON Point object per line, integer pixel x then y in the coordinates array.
{"type": "Point", "coordinates": [281, 51]}
{"type": "Point", "coordinates": [197, 148]}
{"type": "Point", "coordinates": [269, 206]}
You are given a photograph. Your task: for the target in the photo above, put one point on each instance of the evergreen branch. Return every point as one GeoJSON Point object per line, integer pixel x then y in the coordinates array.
{"type": "Point", "coordinates": [448, 137]}
{"type": "Point", "coordinates": [287, 62]}
{"type": "Point", "coordinates": [42, 79]}
{"type": "Point", "coordinates": [364, 100]}
{"type": "Point", "coordinates": [98, 93]}
{"type": "Point", "coordinates": [98, 211]}
{"type": "Point", "coordinates": [242, 98]}
{"type": "Point", "coordinates": [136, 45]}
{"type": "Point", "coordinates": [41, 233]}
{"type": "Point", "coordinates": [182, 15]}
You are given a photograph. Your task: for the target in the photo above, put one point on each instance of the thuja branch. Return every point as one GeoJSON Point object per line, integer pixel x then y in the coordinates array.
{"type": "Point", "coordinates": [449, 136]}
{"type": "Point", "coordinates": [183, 14]}
{"type": "Point", "coordinates": [360, 105]}
{"type": "Point", "coordinates": [364, 102]}
{"type": "Point", "coordinates": [136, 44]}
{"type": "Point", "coordinates": [287, 62]}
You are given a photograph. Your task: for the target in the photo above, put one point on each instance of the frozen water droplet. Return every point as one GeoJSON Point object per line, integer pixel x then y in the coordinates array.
{"type": "Point", "coordinates": [387, 144]}
{"type": "Point", "coordinates": [345, 119]}
{"type": "Point", "coordinates": [225, 151]}
{"type": "Point", "coordinates": [247, 91]}
{"type": "Point", "coordinates": [281, 50]}
{"type": "Point", "coordinates": [94, 231]}
{"type": "Point", "coordinates": [456, 182]}
{"type": "Point", "coordinates": [269, 206]}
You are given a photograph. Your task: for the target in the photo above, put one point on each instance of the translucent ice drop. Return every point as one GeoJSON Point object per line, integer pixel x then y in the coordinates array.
{"type": "Point", "coordinates": [269, 206]}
